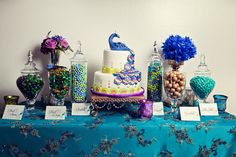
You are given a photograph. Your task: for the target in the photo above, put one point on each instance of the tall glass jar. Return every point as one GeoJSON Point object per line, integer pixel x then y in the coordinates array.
{"type": "Point", "coordinates": [155, 73]}
{"type": "Point", "coordinates": [79, 68]}
{"type": "Point", "coordinates": [30, 82]}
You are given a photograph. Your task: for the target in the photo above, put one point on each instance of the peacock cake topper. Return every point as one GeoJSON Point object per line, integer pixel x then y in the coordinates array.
{"type": "Point", "coordinates": [118, 46]}
{"type": "Point", "coordinates": [129, 75]}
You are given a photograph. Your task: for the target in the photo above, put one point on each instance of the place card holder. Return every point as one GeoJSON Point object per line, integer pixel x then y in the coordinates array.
{"type": "Point", "coordinates": [82, 109]}
{"type": "Point", "coordinates": [55, 113]}
{"type": "Point", "coordinates": [13, 112]}
{"type": "Point", "coordinates": [208, 109]}
{"type": "Point", "coordinates": [158, 109]}
{"type": "Point", "coordinates": [189, 114]}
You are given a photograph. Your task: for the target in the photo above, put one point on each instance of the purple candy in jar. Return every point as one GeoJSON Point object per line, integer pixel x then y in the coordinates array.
{"type": "Point", "coordinates": [146, 108]}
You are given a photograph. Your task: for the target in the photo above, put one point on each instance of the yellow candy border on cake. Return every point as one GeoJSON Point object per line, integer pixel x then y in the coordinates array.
{"type": "Point", "coordinates": [129, 90]}
{"type": "Point", "coordinates": [110, 70]}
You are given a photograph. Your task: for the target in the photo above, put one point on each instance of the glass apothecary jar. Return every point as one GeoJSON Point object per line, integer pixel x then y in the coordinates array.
{"type": "Point", "coordinates": [79, 70]}
{"type": "Point", "coordinates": [30, 82]}
{"type": "Point", "coordinates": [155, 74]}
{"type": "Point", "coordinates": [59, 84]}
{"type": "Point", "coordinates": [202, 83]}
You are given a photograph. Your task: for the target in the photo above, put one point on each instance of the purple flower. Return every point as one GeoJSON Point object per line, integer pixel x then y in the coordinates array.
{"type": "Point", "coordinates": [48, 46]}
{"type": "Point", "coordinates": [50, 43]}
{"type": "Point", "coordinates": [64, 44]}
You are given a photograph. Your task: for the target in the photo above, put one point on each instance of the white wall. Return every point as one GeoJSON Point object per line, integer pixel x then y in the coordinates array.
{"type": "Point", "coordinates": [210, 23]}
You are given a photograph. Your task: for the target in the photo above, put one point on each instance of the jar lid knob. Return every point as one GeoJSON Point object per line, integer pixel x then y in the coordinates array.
{"type": "Point", "coordinates": [30, 66]}
{"type": "Point", "coordinates": [79, 47]}
{"type": "Point", "coordinates": [30, 56]}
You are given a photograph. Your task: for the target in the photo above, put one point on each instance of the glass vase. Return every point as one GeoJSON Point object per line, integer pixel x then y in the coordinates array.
{"type": "Point", "coordinates": [59, 84]}
{"type": "Point", "coordinates": [55, 57]}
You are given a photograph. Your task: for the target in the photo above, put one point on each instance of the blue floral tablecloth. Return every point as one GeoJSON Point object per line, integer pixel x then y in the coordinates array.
{"type": "Point", "coordinates": [112, 134]}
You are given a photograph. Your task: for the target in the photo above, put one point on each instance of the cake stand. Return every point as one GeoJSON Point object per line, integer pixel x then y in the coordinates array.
{"type": "Point", "coordinates": [105, 101]}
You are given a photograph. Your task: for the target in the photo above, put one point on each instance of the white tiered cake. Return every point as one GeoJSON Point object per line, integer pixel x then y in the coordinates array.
{"type": "Point", "coordinates": [118, 77]}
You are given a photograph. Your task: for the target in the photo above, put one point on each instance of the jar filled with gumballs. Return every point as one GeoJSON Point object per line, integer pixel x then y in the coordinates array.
{"type": "Point", "coordinates": [30, 82]}
{"type": "Point", "coordinates": [79, 76]}
{"type": "Point", "coordinates": [174, 83]}
{"type": "Point", "coordinates": [176, 50]}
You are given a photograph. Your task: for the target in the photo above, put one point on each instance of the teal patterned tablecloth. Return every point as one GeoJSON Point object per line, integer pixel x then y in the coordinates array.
{"type": "Point", "coordinates": [112, 134]}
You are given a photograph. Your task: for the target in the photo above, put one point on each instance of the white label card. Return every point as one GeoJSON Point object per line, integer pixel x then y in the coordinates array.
{"type": "Point", "coordinates": [55, 112]}
{"type": "Point", "coordinates": [158, 109]}
{"type": "Point", "coordinates": [82, 109]}
{"type": "Point", "coordinates": [13, 112]}
{"type": "Point", "coordinates": [189, 113]}
{"type": "Point", "coordinates": [208, 109]}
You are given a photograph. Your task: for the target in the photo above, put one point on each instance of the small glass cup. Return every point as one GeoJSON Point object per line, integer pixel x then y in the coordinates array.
{"type": "Point", "coordinates": [11, 99]}
{"type": "Point", "coordinates": [220, 100]}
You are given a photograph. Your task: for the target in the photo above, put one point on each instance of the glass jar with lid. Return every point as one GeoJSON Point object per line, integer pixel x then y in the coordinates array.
{"type": "Point", "coordinates": [202, 69]}
{"type": "Point", "coordinates": [79, 76]}
{"type": "Point", "coordinates": [155, 74]}
{"type": "Point", "coordinates": [30, 82]}
{"type": "Point", "coordinates": [202, 83]}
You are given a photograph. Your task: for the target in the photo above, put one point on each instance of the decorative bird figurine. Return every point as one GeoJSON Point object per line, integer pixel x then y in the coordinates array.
{"type": "Point", "coordinates": [117, 45]}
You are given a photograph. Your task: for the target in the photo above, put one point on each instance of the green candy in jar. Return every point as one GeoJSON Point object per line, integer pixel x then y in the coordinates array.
{"type": "Point", "coordinates": [30, 83]}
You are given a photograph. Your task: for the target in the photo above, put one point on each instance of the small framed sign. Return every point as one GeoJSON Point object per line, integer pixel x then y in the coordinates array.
{"type": "Point", "coordinates": [55, 112]}
{"type": "Point", "coordinates": [209, 109]}
{"type": "Point", "coordinates": [13, 112]}
{"type": "Point", "coordinates": [158, 108]}
{"type": "Point", "coordinates": [189, 113]}
{"type": "Point", "coordinates": [82, 109]}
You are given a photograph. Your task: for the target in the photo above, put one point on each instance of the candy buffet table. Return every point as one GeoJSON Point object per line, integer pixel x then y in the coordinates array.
{"type": "Point", "coordinates": [113, 134]}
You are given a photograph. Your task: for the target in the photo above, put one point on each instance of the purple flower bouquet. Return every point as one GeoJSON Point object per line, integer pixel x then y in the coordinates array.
{"type": "Point", "coordinates": [54, 45]}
